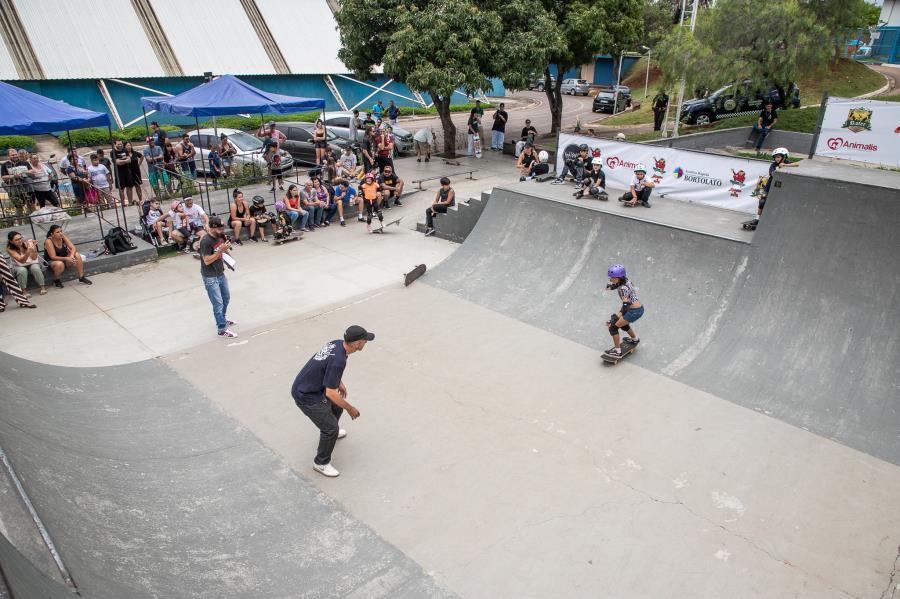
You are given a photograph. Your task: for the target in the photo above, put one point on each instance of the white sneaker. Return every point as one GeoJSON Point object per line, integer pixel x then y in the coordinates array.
{"type": "Point", "coordinates": [341, 433]}
{"type": "Point", "coordinates": [328, 470]}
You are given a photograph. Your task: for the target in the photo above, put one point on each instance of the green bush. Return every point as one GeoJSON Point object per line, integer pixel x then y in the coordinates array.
{"type": "Point", "coordinates": [19, 142]}
{"type": "Point", "coordinates": [99, 137]}
{"type": "Point", "coordinates": [419, 111]}
{"type": "Point", "coordinates": [252, 123]}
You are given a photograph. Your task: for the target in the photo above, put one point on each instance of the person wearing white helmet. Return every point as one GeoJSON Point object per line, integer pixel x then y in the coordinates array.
{"type": "Point", "coordinates": [639, 190]}
{"type": "Point", "coordinates": [779, 159]}
{"type": "Point", "coordinates": [594, 182]}
{"type": "Point", "coordinates": [539, 167]}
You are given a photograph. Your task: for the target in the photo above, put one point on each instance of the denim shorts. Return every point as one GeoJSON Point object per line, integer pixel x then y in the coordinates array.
{"type": "Point", "coordinates": [633, 314]}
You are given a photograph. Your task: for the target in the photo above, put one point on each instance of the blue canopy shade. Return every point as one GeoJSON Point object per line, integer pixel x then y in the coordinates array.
{"type": "Point", "coordinates": [27, 113]}
{"type": "Point", "coordinates": [229, 95]}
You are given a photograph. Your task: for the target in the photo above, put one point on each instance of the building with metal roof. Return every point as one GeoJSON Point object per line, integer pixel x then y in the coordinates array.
{"type": "Point", "coordinates": [107, 56]}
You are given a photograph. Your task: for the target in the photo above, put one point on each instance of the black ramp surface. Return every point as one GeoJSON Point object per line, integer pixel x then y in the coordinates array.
{"type": "Point", "coordinates": [149, 491]}
{"type": "Point", "coordinates": [802, 324]}
{"type": "Point", "coordinates": [23, 580]}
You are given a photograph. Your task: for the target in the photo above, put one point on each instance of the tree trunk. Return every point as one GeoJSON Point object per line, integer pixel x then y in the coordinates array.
{"type": "Point", "coordinates": [443, 108]}
{"type": "Point", "coordinates": [554, 97]}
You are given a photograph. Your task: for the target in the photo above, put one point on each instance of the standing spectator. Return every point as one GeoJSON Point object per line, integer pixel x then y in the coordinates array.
{"type": "Point", "coordinates": [158, 134]}
{"type": "Point", "coordinates": [377, 109]}
{"type": "Point", "coordinates": [498, 130]}
{"type": "Point", "coordinates": [61, 253]}
{"type": "Point", "coordinates": [227, 152]}
{"type": "Point", "coordinates": [270, 132]}
{"type": "Point", "coordinates": [124, 183]}
{"type": "Point", "coordinates": [13, 173]}
{"type": "Point", "coordinates": [528, 135]}
{"type": "Point", "coordinates": [74, 168]}
{"type": "Point", "coordinates": [320, 141]}
{"type": "Point", "coordinates": [393, 112]}
{"type": "Point", "coordinates": [100, 189]}
{"type": "Point", "coordinates": [385, 142]}
{"type": "Point", "coordinates": [424, 138]}
{"type": "Point", "coordinates": [660, 103]}
{"type": "Point", "coordinates": [105, 161]}
{"type": "Point", "coordinates": [444, 198]}
{"type": "Point", "coordinates": [473, 126]}
{"type": "Point", "coordinates": [40, 182]}
{"type": "Point", "coordinates": [391, 186]}
{"type": "Point", "coordinates": [137, 180]}
{"type": "Point", "coordinates": [241, 217]}
{"type": "Point", "coordinates": [259, 214]}
{"type": "Point", "coordinates": [320, 393]}
{"type": "Point", "coordinates": [23, 256]}
{"type": "Point", "coordinates": [768, 116]}
{"type": "Point", "coordinates": [185, 154]}
{"type": "Point", "coordinates": [369, 149]}
{"type": "Point", "coordinates": [272, 156]}
{"type": "Point", "coordinates": [212, 270]}
{"type": "Point", "coordinates": [169, 157]}
{"type": "Point", "coordinates": [8, 281]}
{"type": "Point", "coordinates": [153, 155]}
{"type": "Point", "coordinates": [215, 164]}
{"type": "Point", "coordinates": [478, 112]}
{"type": "Point", "coordinates": [354, 126]}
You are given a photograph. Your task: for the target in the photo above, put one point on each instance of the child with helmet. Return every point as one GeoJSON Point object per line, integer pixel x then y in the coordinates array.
{"type": "Point", "coordinates": [631, 310]}
{"type": "Point", "coordinates": [594, 182]}
{"type": "Point", "coordinates": [639, 191]}
{"type": "Point", "coordinates": [577, 166]}
{"type": "Point", "coordinates": [779, 159]}
{"type": "Point", "coordinates": [371, 193]}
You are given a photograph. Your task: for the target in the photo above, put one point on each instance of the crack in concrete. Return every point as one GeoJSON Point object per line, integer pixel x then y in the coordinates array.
{"type": "Point", "coordinates": [892, 585]}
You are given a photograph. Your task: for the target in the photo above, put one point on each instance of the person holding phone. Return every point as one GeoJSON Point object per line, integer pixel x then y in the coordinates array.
{"type": "Point", "coordinates": [212, 269]}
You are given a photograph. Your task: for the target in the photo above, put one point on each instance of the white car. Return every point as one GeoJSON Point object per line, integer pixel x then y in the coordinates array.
{"type": "Point", "coordinates": [249, 148]}
{"type": "Point", "coordinates": [575, 87]}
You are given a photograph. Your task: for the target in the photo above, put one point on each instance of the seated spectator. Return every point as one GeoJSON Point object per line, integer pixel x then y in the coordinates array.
{"type": "Point", "coordinates": [445, 198]}
{"type": "Point", "coordinates": [391, 186]}
{"type": "Point", "coordinates": [538, 167]}
{"type": "Point", "coordinates": [23, 255]}
{"type": "Point", "coordinates": [99, 190]}
{"type": "Point", "coordinates": [640, 188]}
{"type": "Point", "coordinates": [215, 164]}
{"type": "Point", "coordinates": [346, 166]}
{"type": "Point", "coordinates": [39, 179]}
{"type": "Point", "coordinates": [324, 199]}
{"type": "Point", "coordinates": [527, 157]}
{"type": "Point", "coordinates": [309, 200]}
{"type": "Point", "coordinates": [259, 214]}
{"type": "Point", "coordinates": [179, 229]}
{"type": "Point", "coordinates": [8, 284]}
{"type": "Point", "coordinates": [594, 181]}
{"type": "Point", "coordinates": [371, 193]}
{"type": "Point", "coordinates": [345, 195]}
{"type": "Point", "coordinates": [61, 253]}
{"type": "Point", "coordinates": [196, 216]}
{"type": "Point", "coordinates": [768, 116]}
{"type": "Point", "coordinates": [528, 135]}
{"type": "Point", "coordinates": [240, 217]}
{"type": "Point", "coordinates": [155, 220]}
{"type": "Point", "coordinates": [293, 206]}
{"type": "Point", "coordinates": [575, 166]}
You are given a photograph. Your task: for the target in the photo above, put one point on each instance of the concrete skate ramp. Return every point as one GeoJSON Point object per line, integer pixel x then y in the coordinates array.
{"type": "Point", "coordinates": [778, 325]}
{"type": "Point", "coordinates": [147, 490]}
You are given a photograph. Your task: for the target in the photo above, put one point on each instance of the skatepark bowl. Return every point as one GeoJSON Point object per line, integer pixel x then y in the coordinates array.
{"type": "Point", "coordinates": [750, 447]}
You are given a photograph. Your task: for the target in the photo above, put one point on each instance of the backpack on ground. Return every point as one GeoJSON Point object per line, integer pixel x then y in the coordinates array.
{"type": "Point", "coordinates": [117, 240]}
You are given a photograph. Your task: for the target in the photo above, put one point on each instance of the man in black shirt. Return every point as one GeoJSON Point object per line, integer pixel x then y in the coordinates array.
{"type": "Point", "coordinates": [498, 130]}
{"type": "Point", "coordinates": [660, 102]}
{"type": "Point", "coordinates": [528, 135]}
{"type": "Point", "coordinates": [212, 269]}
{"type": "Point", "coordinates": [391, 186]}
{"type": "Point", "coordinates": [767, 119]}
{"type": "Point", "coordinates": [320, 393]}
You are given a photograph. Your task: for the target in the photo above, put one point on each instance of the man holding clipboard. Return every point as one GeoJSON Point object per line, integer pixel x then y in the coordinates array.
{"type": "Point", "coordinates": [213, 255]}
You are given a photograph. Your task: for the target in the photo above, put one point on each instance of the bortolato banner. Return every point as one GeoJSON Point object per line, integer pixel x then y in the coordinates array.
{"type": "Point", "coordinates": [723, 181]}
{"type": "Point", "coordinates": [864, 130]}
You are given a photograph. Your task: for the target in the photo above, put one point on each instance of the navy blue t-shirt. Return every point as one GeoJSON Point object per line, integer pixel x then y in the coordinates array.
{"type": "Point", "coordinates": [324, 370]}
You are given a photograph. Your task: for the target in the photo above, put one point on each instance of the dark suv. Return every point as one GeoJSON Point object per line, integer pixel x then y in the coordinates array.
{"type": "Point", "coordinates": [730, 102]}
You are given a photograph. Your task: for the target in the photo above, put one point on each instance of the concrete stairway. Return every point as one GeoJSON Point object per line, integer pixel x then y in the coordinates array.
{"type": "Point", "coordinates": [459, 220]}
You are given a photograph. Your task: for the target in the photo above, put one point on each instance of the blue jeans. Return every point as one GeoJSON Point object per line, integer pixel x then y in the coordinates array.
{"type": "Point", "coordinates": [295, 217]}
{"type": "Point", "coordinates": [330, 211]}
{"type": "Point", "coordinates": [315, 214]}
{"type": "Point", "coordinates": [497, 139]}
{"type": "Point", "coordinates": [633, 314]}
{"type": "Point", "coordinates": [219, 296]}
{"type": "Point", "coordinates": [762, 135]}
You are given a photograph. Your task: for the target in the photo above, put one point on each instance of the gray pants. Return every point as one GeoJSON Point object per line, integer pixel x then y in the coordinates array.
{"type": "Point", "coordinates": [325, 415]}
{"type": "Point", "coordinates": [21, 273]}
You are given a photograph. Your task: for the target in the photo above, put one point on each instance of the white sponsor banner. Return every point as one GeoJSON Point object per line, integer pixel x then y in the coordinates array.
{"type": "Point", "coordinates": [723, 181]}
{"type": "Point", "coordinates": [864, 130]}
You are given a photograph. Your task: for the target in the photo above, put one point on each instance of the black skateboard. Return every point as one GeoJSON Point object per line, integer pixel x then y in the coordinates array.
{"type": "Point", "coordinates": [413, 275]}
{"type": "Point", "coordinates": [452, 162]}
{"type": "Point", "coordinates": [750, 225]}
{"type": "Point", "coordinates": [627, 347]}
{"type": "Point", "coordinates": [284, 239]}
{"type": "Point", "coordinates": [382, 225]}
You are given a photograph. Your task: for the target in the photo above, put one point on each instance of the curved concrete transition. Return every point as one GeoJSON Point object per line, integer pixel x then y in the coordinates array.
{"type": "Point", "coordinates": [801, 324]}
{"type": "Point", "coordinates": [148, 490]}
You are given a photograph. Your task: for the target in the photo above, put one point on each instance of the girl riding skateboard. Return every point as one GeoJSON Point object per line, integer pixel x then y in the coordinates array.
{"type": "Point", "coordinates": [631, 310]}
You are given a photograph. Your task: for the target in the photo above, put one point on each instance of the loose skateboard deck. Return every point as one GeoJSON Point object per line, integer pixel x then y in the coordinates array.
{"type": "Point", "coordinates": [627, 348]}
{"type": "Point", "coordinates": [452, 162]}
{"type": "Point", "coordinates": [413, 274]}
{"type": "Point", "coordinates": [381, 227]}
{"type": "Point", "coordinates": [285, 240]}
{"type": "Point", "coordinates": [750, 225]}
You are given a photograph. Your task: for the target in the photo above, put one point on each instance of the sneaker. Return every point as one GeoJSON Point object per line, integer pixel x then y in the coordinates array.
{"type": "Point", "coordinates": [616, 351]}
{"type": "Point", "coordinates": [228, 333]}
{"type": "Point", "coordinates": [254, 240]}
{"type": "Point", "coordinates": [633, 341]}
{"type": "Point", "coordinates": [57, 283]}
{"type": "Point", "coordinates": [342, 433]}
{"type": "Point", "coordinates": [646, 204]}
{"type": "Point", "coordinates": [230, 323]}
{"type": "Point", "coordinates": [326, 469]}
{"type": "Point", "coordinates": [360, 218]}
{"type": "Point", "coordinates": [429, 232]}
{"type": "Point", "coordinates": [327, 223]}
{"type": "Point", "coordinates": [85, 281]}
{"type": "Point", "coordinates": [428, 159]}
{"type": "Point", "coordinates": [239, 242]}
{"type": "Point", "coordinates": [521, 179]}
{"type": "Point", "coordinates": [398, 203]}
{"type": "Point", "coordinates": [578, 194]}
{"type": "Point", "coordinates": [418, 160]}
{"type": "Point", "coordinates": [557, 182]}
{"type": "Point", "coordinates": [343, 224]}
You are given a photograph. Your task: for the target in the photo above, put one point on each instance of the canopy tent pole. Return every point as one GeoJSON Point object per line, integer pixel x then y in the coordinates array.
{"type": "Point", "coordinates": [261, 124]}
{"type": "Point", "coordinates": [146, 124]}
{"type": "Point", "coordinates": [113, 150]}
{"type": "Point", "coordinates": [202, 166]}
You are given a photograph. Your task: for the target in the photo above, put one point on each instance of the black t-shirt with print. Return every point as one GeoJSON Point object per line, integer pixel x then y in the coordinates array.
{"type": "Point", "coordinates": [323, 371]}
{"type": "Point", "coordinates": [500, 123]}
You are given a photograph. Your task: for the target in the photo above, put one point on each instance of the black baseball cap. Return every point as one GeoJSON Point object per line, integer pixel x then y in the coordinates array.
{"type": "Point", "coordinates": [215, 222]}
{"type": "Point", "coordinates": [357, 333]}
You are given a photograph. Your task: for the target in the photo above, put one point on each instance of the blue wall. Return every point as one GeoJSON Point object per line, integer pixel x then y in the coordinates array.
{"type": "Point", "coordinates": [887, 47]}
{"type": "Point", "coordinates": [603, 69]}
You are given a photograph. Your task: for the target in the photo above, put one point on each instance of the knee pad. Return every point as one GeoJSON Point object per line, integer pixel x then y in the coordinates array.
{"type": "Point", "coordinates": [627, 328]}
{"type": "Point", "coordinates": [613, 329]}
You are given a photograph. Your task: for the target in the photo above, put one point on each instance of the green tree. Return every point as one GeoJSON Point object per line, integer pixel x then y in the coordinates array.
{"type": "Point", "coordinates": [841, 18]}
{"type": "Point", "coordinates": [657, 21]}
{"type": "Point", "coordinates": [585, 28]}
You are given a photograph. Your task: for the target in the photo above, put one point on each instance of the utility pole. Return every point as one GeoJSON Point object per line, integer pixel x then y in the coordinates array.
{"type": "Point", "coordinates": [681, 85]}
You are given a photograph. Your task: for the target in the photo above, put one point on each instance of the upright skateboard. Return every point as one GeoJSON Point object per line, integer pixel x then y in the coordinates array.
{"type": "Point", "coordinates": [382, 225]}
{"type": "Point", "coordinates": [413, 275]}
{"type": "Point", "coordinates": [628, 346]}
{"type": "Point", "coordinates": [477, 146]}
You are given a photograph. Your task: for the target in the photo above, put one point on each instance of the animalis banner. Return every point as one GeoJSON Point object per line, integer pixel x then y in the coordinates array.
{"type": "Point", "coordinates": [722, 181]}
{"type": "Point", "coordinates": [865, 130]}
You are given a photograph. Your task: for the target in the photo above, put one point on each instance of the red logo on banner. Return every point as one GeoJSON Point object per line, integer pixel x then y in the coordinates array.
{"type": "Point", "coordinates": [836, 143]}
{"type": "Point", "coordinates": [615, 162]}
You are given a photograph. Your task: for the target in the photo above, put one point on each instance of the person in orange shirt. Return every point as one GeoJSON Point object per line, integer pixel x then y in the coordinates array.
{"type": "Point", "coordinates": [371, 194]}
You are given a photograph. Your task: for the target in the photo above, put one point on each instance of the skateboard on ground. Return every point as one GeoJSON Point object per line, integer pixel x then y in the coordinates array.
{"type": "Point", "coordinates": [382, 225]}
{"type": "Point", "coordinates": [750, 225]}
{"type": "Point", "coordinates": [627, 347]}
{"type": "Point", "coordinates": [285, 239]}
{"type": "Point", "coordinates": [452, 162]}
{"type": "Point", "coordinates": [413, 275]}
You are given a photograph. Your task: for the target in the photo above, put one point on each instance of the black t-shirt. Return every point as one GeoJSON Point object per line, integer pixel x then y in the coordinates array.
{"type": "Point", "coordinates": [389, 180]}
{"type": "Point", "coordinates": [257, 210]}
{"type": "Point", "coordinates": [208, 247]}
{"type": "Point", "coordinates": [596, 176]}
{"type": "Point", "coordinates": [500, 123]}
{"type": "Point", "coordinates": [323, 371]}
{"type": "Point", "coordinates": [473, 121]}
{"type": "Point", "coordinates": [529, 130]}
{"type": "Point", "coordinates": [123, 170]}
{"type": "Point", "coordinates": [768, 117]}
{"type": "Point", "coordinates": [528, 159]}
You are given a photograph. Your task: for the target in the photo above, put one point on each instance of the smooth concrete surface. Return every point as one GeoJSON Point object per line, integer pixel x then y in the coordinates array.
{"type": "Point", "coordinates": [512, 462]}
{"type": "Point", "coordinates": [22, 580]}
{"type": "Point", "coordinates": [149, 491]}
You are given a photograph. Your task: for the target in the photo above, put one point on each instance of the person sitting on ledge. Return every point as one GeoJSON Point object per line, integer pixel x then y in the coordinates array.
{"type": "Point", "coordinates": [526, 158]}
{"type": "Point", "coordinates": [539, 167]}
{"type": "Point", "coordinates": [61, 253]}
{"type": "Point", "coordinates": [445, 198]}
{"type": "Point", "coordinates": [639, 191]}
{"type": "Point", "coordinates": [23, 255]}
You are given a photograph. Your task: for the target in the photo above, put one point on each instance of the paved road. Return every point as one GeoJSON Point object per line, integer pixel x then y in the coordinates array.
{"type": "Point", "coordinates": [893, 75]}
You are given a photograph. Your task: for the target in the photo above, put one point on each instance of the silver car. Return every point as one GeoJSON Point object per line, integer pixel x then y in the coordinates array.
{"type": "Point", "coordinates": [575, 87]}
{"type": "Point", "coordinates": [339, 124]}
{"type": "Point", "coordinates": [248, 149]}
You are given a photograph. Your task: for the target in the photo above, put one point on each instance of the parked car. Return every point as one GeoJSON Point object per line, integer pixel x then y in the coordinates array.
{"type": "Point", "coordinates": [249, 149]}
{"type": "Point", "coordinates": [603, 102]}
{"type": "Point", "coordinates": [624, 91]}
{"type": "Point", "coordinates": [575, 87]}
{"type": "Point", "coordinates": [339, 123]}
{"type": "Point", "coordinates": [299, 143]}
{"type": "Point", "coordinates": [538, 83]}
{"type": "Point", "coordinates": [729, 101]}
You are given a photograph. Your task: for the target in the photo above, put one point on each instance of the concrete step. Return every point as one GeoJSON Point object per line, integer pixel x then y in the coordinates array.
{"type": "Point", "coordinates": [459, 220]}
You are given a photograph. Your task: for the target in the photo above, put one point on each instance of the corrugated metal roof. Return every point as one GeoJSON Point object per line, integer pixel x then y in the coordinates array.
{"type": "Point", "coordinates": [213, 35]}
{"type": "Point", "coordinates": [306, 33]}
{"type": "Point", "coordinates": [7, 68]}
{"type": "Point", "coordinates": [77, 41]}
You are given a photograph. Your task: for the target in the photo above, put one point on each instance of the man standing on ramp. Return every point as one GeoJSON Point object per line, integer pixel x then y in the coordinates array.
{"type": "Point", "coordinates": [320, 394]}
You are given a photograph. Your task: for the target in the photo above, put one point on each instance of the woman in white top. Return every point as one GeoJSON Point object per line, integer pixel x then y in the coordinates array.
{"type": "Point", "coordinates": [23, 255]}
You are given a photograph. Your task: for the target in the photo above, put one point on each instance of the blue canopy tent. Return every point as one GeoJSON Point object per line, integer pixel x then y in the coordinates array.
{"type": "Point", "coordinates": [27, 113]}
{"type": "Point", "coordinates": [226, 95]}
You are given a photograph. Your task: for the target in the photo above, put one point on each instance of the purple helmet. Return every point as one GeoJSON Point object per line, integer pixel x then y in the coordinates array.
{"type": "Point", "coordinates": [616, 270]}
{"type": "Point", "coordinates": [279, 206]}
